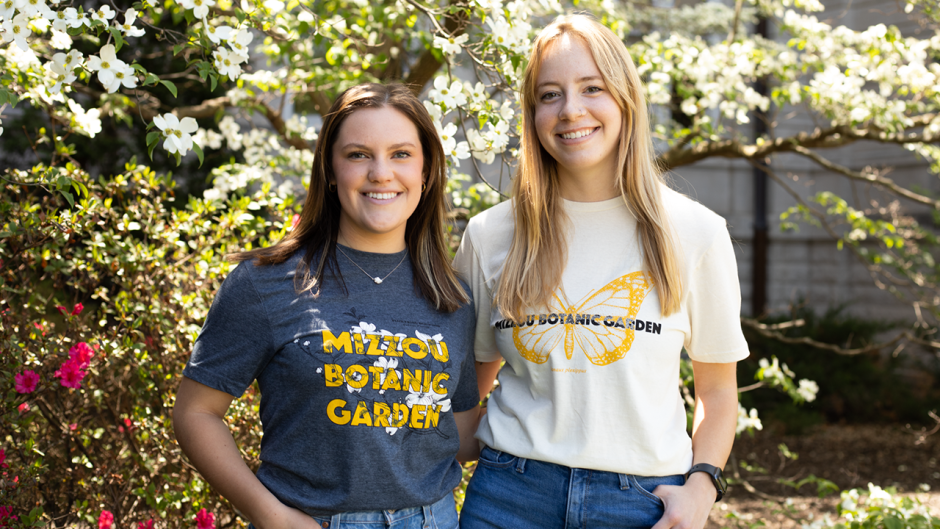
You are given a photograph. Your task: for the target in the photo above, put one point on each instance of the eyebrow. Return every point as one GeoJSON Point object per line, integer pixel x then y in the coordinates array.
{"type": "Point", "coordinates": [581, 80]}
{"type": "Point", "coordinates": [367, 148]}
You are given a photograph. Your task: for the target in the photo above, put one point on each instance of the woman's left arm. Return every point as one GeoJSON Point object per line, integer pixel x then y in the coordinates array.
{"type": "Point", "coordinates": [467, 423]}
{"type": "Point", "coordinates": [716, 417]}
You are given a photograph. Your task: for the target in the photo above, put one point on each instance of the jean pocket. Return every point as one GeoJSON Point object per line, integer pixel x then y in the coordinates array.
{"type": "Point", "coordinates": [496, 459]}
{"type": "Point", "coordinates": [646, 485]}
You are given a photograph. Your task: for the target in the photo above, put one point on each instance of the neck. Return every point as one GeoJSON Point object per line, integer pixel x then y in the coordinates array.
{"type": "Point", "coordinates": [587, 186]}
{"type": "Point", "coordinates": [377, 244]}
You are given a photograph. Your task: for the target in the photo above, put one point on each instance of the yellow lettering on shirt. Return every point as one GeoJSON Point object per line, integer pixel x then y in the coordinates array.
{"type": "Point", "coordinates": [342, 418]}
{"type": "Point", "coordinates": [437, 385]}
{"type": "Point", "coordinates": [410, 343]}
{"type": "Point", "coordinates": [381, 412]}
{"type": "Point", "coordinates": [362, 415]}
{"type": "Point", "coordinates": [333, 343]}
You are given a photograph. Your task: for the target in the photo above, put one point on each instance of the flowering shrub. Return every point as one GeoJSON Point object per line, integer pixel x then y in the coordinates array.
{"type": "Point", "coordinates": [99, 307]}
{"type": "Point", "coordinates": [878, 508]}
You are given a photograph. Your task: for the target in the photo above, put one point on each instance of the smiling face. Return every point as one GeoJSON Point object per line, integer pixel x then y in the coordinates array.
{"type": "Point", "coordinates": [577, 119]}
{"type": "Point", "coordinates": [378, 166]}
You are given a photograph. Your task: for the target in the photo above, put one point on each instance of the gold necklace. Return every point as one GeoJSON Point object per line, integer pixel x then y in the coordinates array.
{"type": "Point", "coordinates": [377, 280]}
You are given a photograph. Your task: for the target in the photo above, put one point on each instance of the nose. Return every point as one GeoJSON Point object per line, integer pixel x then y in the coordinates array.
{"type": "Point", "coordinates": [571, 109]}
{"type": "Point", "coordinates": [381, 171]}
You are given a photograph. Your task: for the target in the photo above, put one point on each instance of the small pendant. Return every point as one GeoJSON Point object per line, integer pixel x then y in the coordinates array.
{"type": "Point", "coordinates": [378, 281]}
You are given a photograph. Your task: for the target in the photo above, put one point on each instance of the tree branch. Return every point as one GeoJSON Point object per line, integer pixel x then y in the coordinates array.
{"type": "Point", "coordinates": [836, 136]}
{"type": "Point", "coordinates": [867, 175]}
{"type": "Point", "coordinates": [766, 332]}
{"type": "Point", "coordinates": [427, 64]}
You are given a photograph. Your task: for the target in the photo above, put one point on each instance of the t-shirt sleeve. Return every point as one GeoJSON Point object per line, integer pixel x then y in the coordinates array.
{"type": "Point", "coordinates": [236, 339]}
{"type": "Point", "coordinates": [466, 396]}
{"type": "Point", "coordinates": [470, 268]}
{"type": "Point", "coordinates": [714, 305]}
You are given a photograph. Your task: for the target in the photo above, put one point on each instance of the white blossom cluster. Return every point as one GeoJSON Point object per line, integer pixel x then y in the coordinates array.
{"type": "Point", "coordinates": [31, 25]}
{"type": "Point", "coordinates": [266, 161]}
{"type": "Point", "coordinates": [869, 510]}
{"type": "Point", "coordinates": [747, 420]}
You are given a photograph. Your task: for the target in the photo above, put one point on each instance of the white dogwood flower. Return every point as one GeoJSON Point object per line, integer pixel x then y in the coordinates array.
{"type": "Point", "coordinates": [451, 45]}
{"type": "Point", "coordinates": [127, 28]}
{"type": "Point", "coordinates": [103, 14]}
{"type": "Point", "coordinates": [178, 132]}
{"type": "Point", "coordinates": [16, 30]}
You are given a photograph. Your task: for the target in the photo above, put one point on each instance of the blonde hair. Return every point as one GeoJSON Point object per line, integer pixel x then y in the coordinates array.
{"type": "Point", "coordinates": [539, 253]}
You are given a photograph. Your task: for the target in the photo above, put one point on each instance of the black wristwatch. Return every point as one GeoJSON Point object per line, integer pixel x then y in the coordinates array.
{"type": "Point", "coordinates": [715, 473]}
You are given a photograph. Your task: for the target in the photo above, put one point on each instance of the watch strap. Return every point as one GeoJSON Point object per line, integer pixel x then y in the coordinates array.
{"type": "Point", "coordinates": [713, 472]}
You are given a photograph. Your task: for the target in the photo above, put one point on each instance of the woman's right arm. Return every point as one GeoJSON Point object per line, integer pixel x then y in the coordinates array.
{"type": "Point", "coordinates": [209, 445]}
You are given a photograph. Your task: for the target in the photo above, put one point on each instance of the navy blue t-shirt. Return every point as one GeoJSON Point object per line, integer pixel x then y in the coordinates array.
{"type": "Point", "coordinates": [358, 391]}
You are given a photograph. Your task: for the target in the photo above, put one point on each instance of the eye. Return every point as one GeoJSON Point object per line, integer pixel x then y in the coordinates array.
{"type": "Point", "coordinates": [547, 96]}
{"type": "Point", "coordinates": [593, 89]}
{"type": "Point", "coordinates": [402, 154]}
{"type": "Point", "coordinates": [356, 155]}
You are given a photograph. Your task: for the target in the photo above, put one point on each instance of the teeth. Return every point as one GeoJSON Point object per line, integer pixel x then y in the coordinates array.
{"type": "Point", "coordinates": [381, 196]}
{"type": "Point", "coordinates": [577, 134]}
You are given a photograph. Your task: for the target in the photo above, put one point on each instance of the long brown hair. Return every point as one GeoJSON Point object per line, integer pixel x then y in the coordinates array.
{"type": "Point", "coordinates": [318, 228]}
{"type": "Point", "coordinates": [539, 251]}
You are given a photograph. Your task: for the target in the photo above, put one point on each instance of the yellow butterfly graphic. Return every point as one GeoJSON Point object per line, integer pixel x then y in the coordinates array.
{"type": "Point", "coordinates": [602, 344]}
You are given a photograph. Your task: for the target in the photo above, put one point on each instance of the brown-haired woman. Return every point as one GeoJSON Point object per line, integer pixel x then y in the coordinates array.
{"type": "Point", "coordinates": [589, 284]}
{"type": "Point", "coordinates": [357, 331]}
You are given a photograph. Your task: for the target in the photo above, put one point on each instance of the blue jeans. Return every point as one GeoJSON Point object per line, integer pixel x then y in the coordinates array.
{"type": "Point", "coordinates": [509, 492]}
{"type": "Point", "coordinates": [439, 515]}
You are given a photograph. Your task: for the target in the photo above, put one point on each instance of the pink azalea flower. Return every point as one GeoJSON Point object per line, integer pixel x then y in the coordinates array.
{"type": "Point", "coordinates": [26, 381]}
{"type": "Point", "coordinates": [145, 525]}
{"type": "Point", "coordinates": [77, 309]}
{"type": "Point", "coordinates": [6, 514]}
{"type": "Point", "coordinates": [105, 520]}
{"type": "Point", "coordinates": [3, 456]}
{"type": "Point", "coordinates": [70, 375]}
{"type": "Point", "coordinates": [294, 221]}
{"type": "Point", "coordinates": [23, 408]}
{"type": "Point", "coordinates": [205, 520]}
{"type": "Point", "coordinates": [82, 354]}
{"type": "Point", "coordinates": [61, 309]}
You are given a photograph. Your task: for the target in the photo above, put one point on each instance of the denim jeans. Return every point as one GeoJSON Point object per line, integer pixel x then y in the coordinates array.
{"type": "Point", "coordinates": [439, 515]}
{"type": "Point", "coordinates": [510, 492]}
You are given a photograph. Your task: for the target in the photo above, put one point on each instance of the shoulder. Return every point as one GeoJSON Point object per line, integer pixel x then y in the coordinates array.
{"type": "Point", "coordinates": [264, 277]}
{"type": "Point", "coordinates": [696, 227]}
{"type": "Point", "coordinates": [489, 235]}
{"type": "Point", "coordinates": [496, 221]}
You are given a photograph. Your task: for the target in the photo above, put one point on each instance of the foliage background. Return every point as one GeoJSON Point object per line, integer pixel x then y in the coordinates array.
{"type": "Point", "coordinates": [141, 247]}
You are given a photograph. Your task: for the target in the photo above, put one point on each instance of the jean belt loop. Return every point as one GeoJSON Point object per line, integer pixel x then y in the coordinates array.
{"type": "Point", "coordinates": [428, 516]}
{"type": "Point", "coordinates": [520, 465]}
{"type": "Point", "coordinates": [624, 481]}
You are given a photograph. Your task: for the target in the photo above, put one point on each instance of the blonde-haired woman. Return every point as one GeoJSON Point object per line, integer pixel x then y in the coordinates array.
{"type": "Point", "coordinates": [589, 283]}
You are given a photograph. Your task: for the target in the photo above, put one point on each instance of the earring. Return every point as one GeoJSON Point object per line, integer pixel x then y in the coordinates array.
{"type": "Point", "coordinates": [332, 187]}
{"type": "Point", "coordinates": [424, 185]}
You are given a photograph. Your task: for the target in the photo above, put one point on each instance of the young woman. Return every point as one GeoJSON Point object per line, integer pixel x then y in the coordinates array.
{"type": "Point", "coordinates": [358, 333]}
{"type": "Point", "coordinates": [589, 284]}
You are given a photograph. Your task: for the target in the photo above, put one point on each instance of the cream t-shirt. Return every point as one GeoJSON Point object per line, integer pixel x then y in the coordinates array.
{"type": "Point", "coordinates": [591, 380]}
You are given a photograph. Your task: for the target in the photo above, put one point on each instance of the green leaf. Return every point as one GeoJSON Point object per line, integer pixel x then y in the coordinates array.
{"type": "Point", "coordinates": [199, 153]}
{"type": "Point", "coordinates": [68, 196]}
{"type": "Point", "coordinates": [177, 49]}
{"type": "Point", "coordinates": [169, 86]}
{"type": "Point", "coordinates": [118, 38]}
{"type": "Point", "coordinates": [153, 138]}
{"type": "Point", "coordinates": [150, 148]}
{"type": "Point", "coordinates": [151, 79]}
{"type": "Point", "coordinates": [892, 522]}
{"type": "Point", "coordinates": [213, 82]}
